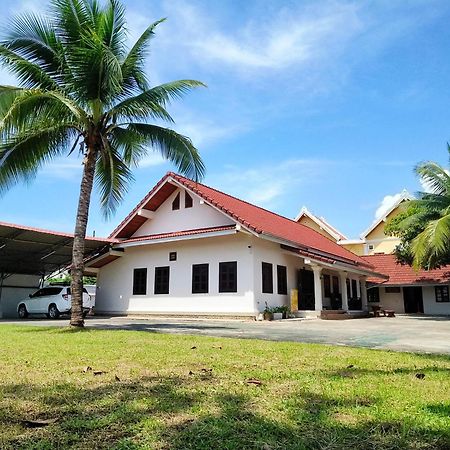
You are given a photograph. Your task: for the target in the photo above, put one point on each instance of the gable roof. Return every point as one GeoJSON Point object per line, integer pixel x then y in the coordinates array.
{"type": "Point", "coordinates": [321, 222]}
{"type": "Point", "coordinates": [255, 219]}
{"type": "Point", "coordinates": [404, 196]}
{"type": "Point", "coordinates": [402, 274]}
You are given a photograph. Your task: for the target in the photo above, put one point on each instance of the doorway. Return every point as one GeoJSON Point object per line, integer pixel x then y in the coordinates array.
{"type": "Point", "coordinates": [306, 298]}
{"type": "Point", "coordinates": [413, 299]}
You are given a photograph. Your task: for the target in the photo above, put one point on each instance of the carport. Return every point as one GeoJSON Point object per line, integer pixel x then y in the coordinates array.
{"type": "Point", "coordinates": [29, 255]}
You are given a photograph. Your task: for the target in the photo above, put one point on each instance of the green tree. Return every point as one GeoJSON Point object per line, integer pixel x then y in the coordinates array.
{"type": "Point", "coordinates": [424, 228]}
{"type": "Point", "coordinates": [82, 89]}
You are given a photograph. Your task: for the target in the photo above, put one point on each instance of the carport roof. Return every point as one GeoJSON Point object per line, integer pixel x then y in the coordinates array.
{"type": "Point", "coordinates": [33, 251]}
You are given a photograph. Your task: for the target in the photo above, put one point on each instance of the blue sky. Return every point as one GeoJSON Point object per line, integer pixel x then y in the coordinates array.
{"type": "Point", "coordinates": [327, 104]}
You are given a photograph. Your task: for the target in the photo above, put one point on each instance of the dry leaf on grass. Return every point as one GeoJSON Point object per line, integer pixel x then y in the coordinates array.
{"type": "Point", "coordinates": [254, 381]}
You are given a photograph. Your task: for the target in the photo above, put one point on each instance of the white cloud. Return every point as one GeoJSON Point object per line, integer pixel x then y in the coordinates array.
{"type": "Point", "coordinates": [68, 169]}
{"type": "Point", "coordinates": [299, 36]}
{"type": "Point", "coordinates": [265, 185]}
{"type": "Point", "coordinates": [386, 204]}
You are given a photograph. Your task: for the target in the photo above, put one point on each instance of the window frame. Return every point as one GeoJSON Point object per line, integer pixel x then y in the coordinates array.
{"type": "Point", "coordinates": [266, 278]}
{"type": "Point", "coordinates": [200, 286]}
{"type": "Point", "coordinates": [327, 285]}
{"type": "Point", "coordinates": [227, 286]}
{"type": "Point", "coordinates": [392, 290]}
{"type": "Point", "coordinates": [143, 290]}
{"type": "Point", "coordinates": [157, 286]}
{"type": "Point", "coordinates": [375, 298]}
{"type": "Point", "coordinates": [282, 288]}
{"type": "Point", "coordinates": [444, 298]}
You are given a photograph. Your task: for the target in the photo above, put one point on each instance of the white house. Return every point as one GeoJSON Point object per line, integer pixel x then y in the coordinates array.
{"type": "Point", "coordinates": [189, 249]}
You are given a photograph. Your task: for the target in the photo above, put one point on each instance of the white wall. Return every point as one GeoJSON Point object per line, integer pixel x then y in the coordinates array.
{"type": "Point", "coordinates": [430, 305]}
{"type": "Point", "coordinates": [166, 220]}
{"type": "Point", "coordinates": [391, 301]}
{"type": "Point", "coordinates": [16, 288]}
{"type": "Point", "coordinates": [270, 252]}
{"type": "Point", "coordinates": [115, 280]}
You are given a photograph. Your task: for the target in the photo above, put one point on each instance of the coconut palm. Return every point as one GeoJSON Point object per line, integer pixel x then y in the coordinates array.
{"type": "Point", "coordinates": [425, 226]}
{"type": "Point", "coordinates": [81, 89]}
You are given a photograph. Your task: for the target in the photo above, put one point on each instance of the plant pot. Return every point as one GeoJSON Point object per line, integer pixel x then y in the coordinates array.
{"type": "Point", "coordinates": [277, 316]}
{"type": "Point", "coordinates": [268, 316]}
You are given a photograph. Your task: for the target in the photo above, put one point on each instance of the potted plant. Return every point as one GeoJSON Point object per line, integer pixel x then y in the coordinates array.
{"type": "Point", "coordinates": [268, 313]}
{"type": "Point", "coordinates": [280, 312]}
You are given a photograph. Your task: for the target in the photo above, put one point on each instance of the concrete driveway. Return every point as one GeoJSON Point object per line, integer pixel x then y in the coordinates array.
{"type": "Point", "coordinates": [402, 333]}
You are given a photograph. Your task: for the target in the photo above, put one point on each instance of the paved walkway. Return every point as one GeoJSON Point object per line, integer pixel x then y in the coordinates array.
{"type": "Point", "coordinates": [402, 333]}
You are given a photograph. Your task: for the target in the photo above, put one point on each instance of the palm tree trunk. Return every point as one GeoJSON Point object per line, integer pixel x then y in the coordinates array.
{"type": "Point", "coordinates": [77, 268]}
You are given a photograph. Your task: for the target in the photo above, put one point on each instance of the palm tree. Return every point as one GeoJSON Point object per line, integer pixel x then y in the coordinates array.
{"type": "Point", "coordinates": [425, 227]}
{"type": "Point", "coordinates": [81, 90]}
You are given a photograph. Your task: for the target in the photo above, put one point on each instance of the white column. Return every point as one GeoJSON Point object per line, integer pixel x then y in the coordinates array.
{"type": "Point", "coordinates": [317, 288]}
{"type": "Point", "coordinates": [343, 280]}
{"type": "Point", "coordinates": [365, 305]}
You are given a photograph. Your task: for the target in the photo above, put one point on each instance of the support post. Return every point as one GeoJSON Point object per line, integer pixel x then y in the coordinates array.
{"type": "Point", "coordinates": [318, 305]}
{"type": "Point", "coordinates": [2, 277]}
{"type": "Point", "coordinates": [343, 280]}
{"type": "Point", "coordinates": [365, 304]}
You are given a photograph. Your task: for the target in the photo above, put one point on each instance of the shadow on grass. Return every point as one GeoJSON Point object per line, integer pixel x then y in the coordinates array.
{"type": "Point", "coordinates": [192, 413]}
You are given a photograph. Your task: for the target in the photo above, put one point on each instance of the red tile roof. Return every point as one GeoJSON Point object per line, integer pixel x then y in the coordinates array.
{"type": "Point", "coordinates": [254, 218]}
{"type": "Point", "coordinates": [403, 274]}
{"type": "Point", "coordinates": [150, 237]}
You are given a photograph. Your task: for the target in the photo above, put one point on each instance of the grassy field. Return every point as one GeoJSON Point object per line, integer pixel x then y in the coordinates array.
{"type": "Point", "coordinates": [186, 392]}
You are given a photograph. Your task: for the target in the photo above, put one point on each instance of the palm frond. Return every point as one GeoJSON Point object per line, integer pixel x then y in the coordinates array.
{"type": "Point", "coordinates": [151, 103]}
{"type": "Point", "coordinates": [30, 75]}
{"type": "Point", "coordinates": [133, 69]}
{"type": "Point", "coordinates": [174, 147]}
{"type": "Point", "coordinates": [24, 153]}
{"type": "Point", "coordinates": [434, 176]}
{"type": "Point", "coordinates": [112, 179]}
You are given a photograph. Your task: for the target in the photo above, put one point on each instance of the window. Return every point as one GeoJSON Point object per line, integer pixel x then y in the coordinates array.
{"type": "Point", "coordinates": [44, 292]}
{"type": "Point", "coordinates": [282, 280]}
{"type": "Point", "coordinates": [176, 203]}
{"type": "Point", "coordinates": [140, 281]}
{"type": "Point", "coordinates": [347, 283]}
{"type": "Point", "coordinates": [267, 278]}
{"type": "Point", "coordinates": [371, 247]}
{"type": "Point", "coordinates": [335, 285]}
{"type": "Point", "coordinates": [162, 280]}
{"type": "Point", "coordinates": [327, 285]}
{"type": "Point", "coordinates": [172, 256]}
{"type": "Point", "coordinates": [228, 276]}
{"type": "Point", "coordinates": [200, 279]}
{"type": "Point", "coordinates": [187, 200]}
{"type": "Point", "coordinates": [392, 290]}
{"type": "Point", "coordinates": [354, 289]}
{"type": "Point", "coordinates": [441, 293]}
{"type": "Point", "coordinates": [373, 295]}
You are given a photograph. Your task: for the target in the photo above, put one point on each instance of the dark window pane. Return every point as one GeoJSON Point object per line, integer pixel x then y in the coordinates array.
{"type": "Point", "coordinates": [327, 285]}
{"type": "Point", "coordinates": [335, 285]}
{"type": "Point", "coordinates": [187, 200]}
{"type": "Point", "coordinates": [200, 278]}
{"type": "Point", "coordinates": [354, 289]}
{"type": "Point", "coordinates": [176, 202]}
{"type": "Point", "coordinates": [162, 280]}
{"type": "Point", "coordinates": [347, 283]}
{"type": "Point", "coordinates": [140, 282]}
{"type": "Point", "coordinates": [228, 276]}
{"type": "Point", "coordinates": [282, 280]}
{"type": "Point", "coordinates": [392, 290]}
{"type": "Point", "coordinates": [267, 278]}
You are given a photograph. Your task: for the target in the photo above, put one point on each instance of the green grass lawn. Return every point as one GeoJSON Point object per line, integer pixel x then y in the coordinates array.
{"type": "Point", "coordinates": [168, 395]}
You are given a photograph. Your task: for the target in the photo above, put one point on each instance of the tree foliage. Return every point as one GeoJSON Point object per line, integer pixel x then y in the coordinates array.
{"type": "Point", "coordinates": [424, 227]}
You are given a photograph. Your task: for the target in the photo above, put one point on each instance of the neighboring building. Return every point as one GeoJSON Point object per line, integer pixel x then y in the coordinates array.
{"type": "Point", "coordinates": [408, 290]}
{"type": "Point", "coordinates": [189, 249]}
{"type": "Point", "coordinates": [405, 290]}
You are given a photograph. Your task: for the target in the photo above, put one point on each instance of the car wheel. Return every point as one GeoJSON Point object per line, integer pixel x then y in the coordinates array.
{"type": "Point", "coordinates": [53, 311]}
{"type": "Point", "coordinates": [22, 311]}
